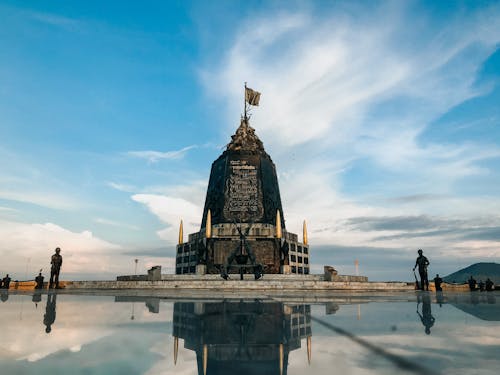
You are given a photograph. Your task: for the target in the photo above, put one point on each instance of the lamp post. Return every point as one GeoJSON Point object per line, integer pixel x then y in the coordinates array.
{"type": "Point", "coordinates": [136, 261]}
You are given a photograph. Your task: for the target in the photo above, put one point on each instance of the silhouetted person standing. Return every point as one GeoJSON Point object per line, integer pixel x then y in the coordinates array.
{"type": "Point", "coordinates": [6, 282]}
{"type": "Point", "coordinates": [56, 262]}
{"type": "Point", "coordinates": [437, 283]}
{"type": "Point", "coordinates": [422, 263]}
{"type": "Point", "coordinates": [426, 317]}
{"type": "Point", "coordinates": [489, 285]}
{"type": "Point", "coordinates": [481, 286]}
{"type": "Point", "coordinates": [39, 281]}
{"type": "Point", "coordinates": [50, 312]}
{"type": "Point", "coordinates": [472, 284]}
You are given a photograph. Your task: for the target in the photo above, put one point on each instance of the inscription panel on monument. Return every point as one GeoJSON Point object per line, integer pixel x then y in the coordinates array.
{"type": "Point", "coordinates": [243, 197]}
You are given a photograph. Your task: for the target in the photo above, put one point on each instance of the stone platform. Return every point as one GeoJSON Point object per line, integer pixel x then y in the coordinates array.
{"type": "Point", "coordinates": [269, 285]}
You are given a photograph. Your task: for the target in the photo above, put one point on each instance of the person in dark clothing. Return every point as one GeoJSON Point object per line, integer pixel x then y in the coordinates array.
{"type": "Point", "coordinates": [422, 263]}
{"type": "Point", "coordinates": [472, 284]}
{"type": "Point", "coordinates": [426, 317]}
{"type": "Point", "coordinates": [6, 282]}
{"type": "Point", "coordinates": [56, 263]}
{"type": "Point", "coordinates": [481, 286]}
{"type": "Point", "coordinates": [39, 281]}
{"type": "Point", "coordinates": [437, 283]}
{"type": "Point", "coordinates": [50, 312]}
{"type": "Point", "coordinates": [489, 285]}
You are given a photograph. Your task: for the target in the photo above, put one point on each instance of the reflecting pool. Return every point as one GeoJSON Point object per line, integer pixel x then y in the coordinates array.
{"type": "Point", "coordinates": [420, 333]}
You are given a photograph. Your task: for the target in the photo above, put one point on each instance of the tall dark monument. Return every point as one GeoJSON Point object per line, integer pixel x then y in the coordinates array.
{"type": "Point", "coordinates": [243, 227]}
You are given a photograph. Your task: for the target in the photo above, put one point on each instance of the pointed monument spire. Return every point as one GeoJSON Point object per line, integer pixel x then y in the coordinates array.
{"type": "Point", "coordinates": [281, 359]}
{"type": "Point", "coordinates": [304, 233]}
{"type": "Point", "coordinates": [205, 358]}
{"type": "Point", "coordinates": [309, 349]}
{"type": "Point", "coordinates": [278, 224]}
{"type": "Point", "coordinates": [208, 226]}
{"type": "Point", "coordinates": [181, 234]}
{"type": "Point", "coordinates": [176, 349]}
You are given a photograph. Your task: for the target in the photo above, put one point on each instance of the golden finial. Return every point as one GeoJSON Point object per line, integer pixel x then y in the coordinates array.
{"type": "Point", "coordinates": [281, 359]}
{"type": "Point", "coordinates": [208, 225]}
{"type": "Point", "coordinates": [278, 224]}
{"type": "Point", "coordinates": [181, 234]}
{"type": "Point", "coordinates": [304, 233]}
{"type": "Point", "coordinates": [176, 349]}
{"type": "Point", "coordinates": [309, 348]}
{"type": "Point", "coordinates": [205, 358]}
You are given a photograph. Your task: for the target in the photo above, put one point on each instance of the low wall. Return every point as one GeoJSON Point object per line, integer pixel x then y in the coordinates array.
{"type": "Point", "coordinates": [260, 286]}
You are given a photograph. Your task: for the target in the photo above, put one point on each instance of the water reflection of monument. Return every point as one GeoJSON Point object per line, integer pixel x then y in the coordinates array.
{"type": "Point", "coordinates": [241, 336]}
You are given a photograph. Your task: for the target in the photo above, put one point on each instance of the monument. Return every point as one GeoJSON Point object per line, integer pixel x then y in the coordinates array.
{"type": "Point", "coordinates": [243, 227]}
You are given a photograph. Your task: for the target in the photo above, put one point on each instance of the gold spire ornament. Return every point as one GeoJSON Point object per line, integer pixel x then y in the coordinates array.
{"type": "Point", "coordinates": [176, 349]}
{"type": "Point", "coordinates": [304, 233]}
{"type": "Point", "coordinates": [181, 234]}
{"type": "Point", "coordinates": [208, 225]}
{"type": "Point", "coordinates": [205, 359]}
{"type": "Point", "coordinates": [309, 348]}
{"type": "Point", "coordinates": [278, 224]}
{"type": "Point", "coordinates": [281, 359]}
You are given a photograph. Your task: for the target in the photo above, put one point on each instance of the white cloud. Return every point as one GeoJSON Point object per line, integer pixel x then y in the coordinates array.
{"type": "Point", "coordinates": [155, 156]}
{"type": "Point", "coordinates": [114, 223]}
{"type": "Point", "coordinates": [171, 210]}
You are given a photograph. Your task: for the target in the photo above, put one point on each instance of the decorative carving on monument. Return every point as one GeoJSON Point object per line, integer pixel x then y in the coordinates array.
{"type": "Point", "coordinates": [242, 193]}
{"type": "Point", "coordinates": [245, 139]}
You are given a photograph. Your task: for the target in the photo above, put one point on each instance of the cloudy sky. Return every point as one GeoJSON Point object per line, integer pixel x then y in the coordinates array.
{"type": "Point", "coordinates": [383, 119]}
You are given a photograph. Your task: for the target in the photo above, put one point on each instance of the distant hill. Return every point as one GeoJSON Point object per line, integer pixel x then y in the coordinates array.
{"type": "Point", "coordinates": [480, 271]}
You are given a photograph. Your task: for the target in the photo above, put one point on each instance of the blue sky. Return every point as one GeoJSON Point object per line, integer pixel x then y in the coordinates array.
{"type": "Point", "coordinates": [383, 119]}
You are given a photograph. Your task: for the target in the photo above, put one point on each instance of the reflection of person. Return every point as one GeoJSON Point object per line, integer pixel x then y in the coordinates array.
{"type": "Point", "coordinates": [426, 316]}
{"type": "Point", "coordinates": [39, 281]}
{"type": "Point", "coordinates": [439, 298]}
{"type": "Point", "coordinates": [37, 297]}
{"type": "Point", "coordinates": [50, 312]}
{"type": "Point", "coordinates": [6, 282]}
{"type": "Point", "coordinates": [422, 263]}
{"type": "Point", "coordinates": [56, 262]}
{"type": "Point", "coordinates": [437, 283]}
{"type": "Point", "coordinates": [4, 296]}
{"type": "Point", "coordinates": [472, 283]}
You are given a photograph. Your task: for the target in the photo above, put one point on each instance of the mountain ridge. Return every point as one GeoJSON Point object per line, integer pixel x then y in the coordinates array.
{"type": "Point", "coordinates": [479, 271]}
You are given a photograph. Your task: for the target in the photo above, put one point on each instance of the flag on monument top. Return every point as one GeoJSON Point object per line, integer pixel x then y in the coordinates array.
{"type": "Point", "coordinates": [252, 97]}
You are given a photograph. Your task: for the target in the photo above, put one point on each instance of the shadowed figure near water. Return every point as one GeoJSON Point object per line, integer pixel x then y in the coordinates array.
{"type": "Point", "coordinates": [39, 281]}
{"type": "Point", "coordinates": [426, 315]}
{"type": "Point", "coordinates": [56, 263]}
{"type": "Point", "coordinates": [6, 282]}
{"type": "Point", "coordinates": [50, 312]}
{"type": "Point", "coordinates": [437, 283]}
{"type": "Point", "coordinates": [472, 283]}
{"type": "Point", "coordinates": [422, 263]}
